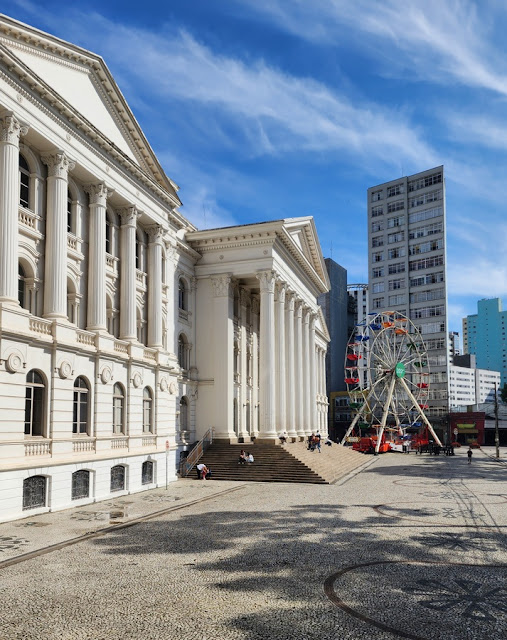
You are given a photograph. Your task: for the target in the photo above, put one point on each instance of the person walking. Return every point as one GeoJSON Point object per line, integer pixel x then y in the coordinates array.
{"type": "Point", "coordinates": [469, 454]}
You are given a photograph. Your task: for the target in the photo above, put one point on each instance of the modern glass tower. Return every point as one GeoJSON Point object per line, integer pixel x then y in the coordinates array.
{"type": "Point", "coordinates": [407, 265]}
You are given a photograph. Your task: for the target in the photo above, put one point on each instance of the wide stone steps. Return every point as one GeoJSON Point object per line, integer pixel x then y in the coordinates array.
{"type": "Point", "coordinates": [280, 463]}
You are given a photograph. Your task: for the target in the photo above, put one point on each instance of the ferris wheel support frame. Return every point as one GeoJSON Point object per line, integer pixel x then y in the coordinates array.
{"type": "Point", "coordinates": [384, 414]}
{"type": "Point", "coordinates": [421, 413]}
{"type": "Point", "coordinates": [358, 415]}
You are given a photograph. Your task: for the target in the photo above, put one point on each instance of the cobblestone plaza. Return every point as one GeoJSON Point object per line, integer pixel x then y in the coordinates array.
{"type": "Point", "coordinates": [411, 546]}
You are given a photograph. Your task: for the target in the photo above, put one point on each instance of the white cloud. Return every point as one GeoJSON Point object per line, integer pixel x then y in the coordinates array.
{"type": "Point", "coordinates": [440, 41]}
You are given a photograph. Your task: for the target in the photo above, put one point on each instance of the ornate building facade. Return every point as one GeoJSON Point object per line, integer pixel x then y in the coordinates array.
{"type": "Point", "coordinates": [126, 333]}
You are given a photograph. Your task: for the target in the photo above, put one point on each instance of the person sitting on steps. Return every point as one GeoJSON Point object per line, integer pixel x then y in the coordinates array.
{"type": "Point", "coordinates": [242, 457]}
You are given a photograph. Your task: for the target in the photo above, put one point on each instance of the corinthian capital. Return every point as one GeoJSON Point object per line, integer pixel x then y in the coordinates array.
{"type": "Point", "coordinates": [281, 290]}
{"type": "Point", "coordinates": [128, 216]}
{"type": "Point", "coordinates": [98, 193]}
{"type": "Point", "coordinates": [267, 281]}
{"type": "Point", "coordinates": [221, 285]}
{"type": "Point", "coordinates": [155, 232]}
{"type": "Point", "coordinates": [58, 163]}
{"type": "Point", "coordinates": [11, 129]}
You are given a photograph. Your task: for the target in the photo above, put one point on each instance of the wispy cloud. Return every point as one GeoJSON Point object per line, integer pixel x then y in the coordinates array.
{"type": "Point", "coordinates": [439, 41]}
{"type": "Point", "coordinates": [266, 110]}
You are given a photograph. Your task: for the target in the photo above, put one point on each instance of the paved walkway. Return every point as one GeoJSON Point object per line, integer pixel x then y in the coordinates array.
{"type": "Point", "coordinates": [411, 547]}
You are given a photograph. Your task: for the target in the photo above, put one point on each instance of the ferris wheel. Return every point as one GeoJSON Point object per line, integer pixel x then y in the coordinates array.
{"type": "Point", "coordinates": [387, 375]}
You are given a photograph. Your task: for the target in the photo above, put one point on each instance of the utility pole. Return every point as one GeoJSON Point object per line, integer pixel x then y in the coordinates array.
{"type": "Point", "coordinates": [497, 435]}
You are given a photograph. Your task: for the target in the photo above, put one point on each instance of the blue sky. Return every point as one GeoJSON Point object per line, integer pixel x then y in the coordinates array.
{"type": "Point", "coordinates": [263, 109]}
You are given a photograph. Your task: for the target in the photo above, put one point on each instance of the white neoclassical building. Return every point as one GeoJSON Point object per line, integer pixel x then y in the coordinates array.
{"type": "Point", "coordinates": [126, 333]}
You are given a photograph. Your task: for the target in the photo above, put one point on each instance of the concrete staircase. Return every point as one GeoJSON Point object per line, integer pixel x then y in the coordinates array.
{"type": "Point", "coordinates": [281, 463]}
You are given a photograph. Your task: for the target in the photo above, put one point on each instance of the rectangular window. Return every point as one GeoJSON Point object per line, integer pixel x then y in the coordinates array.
{"type": "Point", "coordinates": [377, 226]}
{"type": "Point", "coordinates": [425, 296]}
{"type": "Point", "coordinates": [378, 241]}
{"type": "Point", "coordinates": [378, 303]}
{"type": "Point", "coordinates": [427, 230]}
{"type": "Point", "coordinates": [426, 214]}
{"type": "Point", "coordinates": [424, 198]}
{"type": "Point", "coordinates": [397, 221]}
{"type": "Point", "coordinates": [434, 178]}
{"type": "Point", "coordinates": [399, 252]}
{"type": "Point", "coordinates": [378, 287]}
{"type": "Point", "coordinates": [425, 247]}
{"type": "Point", "coordinates": [378, 257]}
{"type": "Point", "coordinates": [397, 267]}
{"type": "Point", "coordinates": [399, 236]}
{"type": "Point", "coordinates": [394, 191]}
{"type": "Point", "coordinates": [431, 327]}
{"type": "Point", "coordinates": [376, 195]}
{"type": "Point", "coordinates": [399, 283]}
{"type": "Point", "coordinates": [378, 272]}
{"type": "Point", "coordinates": [397, 299]}
{"type": "Point", "coordinates": [430, 278]}
{"type": "Point", "coordinates": [426, 263]}
{"type": "Point", "coordinates": [395, 206]}
{"type": "Point", "coordinates": [428, 312]}
{"type": "Point", "coordinates": [377, 211]}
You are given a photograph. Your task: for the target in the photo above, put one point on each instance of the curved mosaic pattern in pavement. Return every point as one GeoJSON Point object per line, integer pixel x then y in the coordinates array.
{"type": "Point", "coordinates": [425, 601]}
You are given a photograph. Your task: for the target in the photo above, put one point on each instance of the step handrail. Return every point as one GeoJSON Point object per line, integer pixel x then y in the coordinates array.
{"type": "Point", "coordinates": [188, 463]}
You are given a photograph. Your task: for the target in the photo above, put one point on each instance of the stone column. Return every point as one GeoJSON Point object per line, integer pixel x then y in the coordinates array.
{"type": "Point", "coordinates": [306, 372]}
{"type": "Point", "coordinates": [291, 367]}
{"type": "Point", "coordinates": [155, 234]}
{"type": "Point", "coordinates": [267, 362]}
{"type": "Point", "coordinates": [244, 300]}
{"type": "Point", "coordinates": [299, 369]}
{"type": "Point", "coordinates": [281, 365]}
{"type": "Point", "coordinates": [223, 340]}
{"type": "Point", "coordinates": [10, 131]}
{"type": "Point", "coordinates": [55, 266]}
{"type": "Point", "coordinates": [97, 320]}
{"type": "Point", "coordinates": [128, 319]}
{"type": "Point", "coordinates": [313, 374]}
{"type": "Point", "coordinates": [255, 365]}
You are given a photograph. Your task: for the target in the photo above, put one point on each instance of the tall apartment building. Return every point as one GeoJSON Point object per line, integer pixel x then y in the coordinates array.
{"type": "Point", "coordinates": [407, 265]}
{"type": "Point", "coordinates": [484, 336]}
{"type": "Point", "coordinates": [359, 309]}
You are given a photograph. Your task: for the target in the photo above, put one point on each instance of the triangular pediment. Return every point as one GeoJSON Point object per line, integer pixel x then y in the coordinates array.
{"type": "Point", "coordinates": [83, 82]}
{"type": "Point", "coordinates": [303, 234]}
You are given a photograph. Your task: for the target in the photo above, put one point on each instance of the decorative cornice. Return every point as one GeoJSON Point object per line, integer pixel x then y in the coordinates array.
{"type": "Point", "coordinates": [98, 193]}
{"type": "Point", "coordinates": [221, 285]}
{"type": "Point", "coordinates": [11, 129]}
{"type": "Point", "coordinates": [58, 163]}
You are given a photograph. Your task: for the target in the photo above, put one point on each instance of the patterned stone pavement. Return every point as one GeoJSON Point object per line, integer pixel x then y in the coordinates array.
{"type": "Point", "coordinates": [411, 547]}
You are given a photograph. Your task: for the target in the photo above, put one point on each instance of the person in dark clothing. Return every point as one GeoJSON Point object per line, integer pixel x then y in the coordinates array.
{"type": "Point", "coordinates": [469, 454]}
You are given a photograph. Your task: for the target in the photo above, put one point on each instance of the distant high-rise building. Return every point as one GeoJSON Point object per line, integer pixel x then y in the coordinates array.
{"type": "Point", "coordinates": [335, 306]}
{"type": "Point", "coordinates": [484, 336]}
{"type": "Point", "coordinates": [407, 265]}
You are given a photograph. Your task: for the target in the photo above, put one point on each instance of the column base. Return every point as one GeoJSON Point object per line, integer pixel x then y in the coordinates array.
{"type": "Point", "coordinates": [10, 302]}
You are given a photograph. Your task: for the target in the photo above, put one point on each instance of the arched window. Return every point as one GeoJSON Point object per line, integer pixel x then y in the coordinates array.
{"type": "Point", "coordinates": [147, 410]}
{"type": "Point", "coordinates": [24, 182]}
{"type": "Point", "coordinates": [118, 409]}
{"type": "Point", "coordinates": [34, 404]}
{"type": "Point", "coordinates": [34, 492]}
{"type": "Point", "coordinates": [81, 406]}
{"type": "Point", "coordinates": [80, 484]}
{"type": "Point", "coordinates": [182, 295]}
{"type": "Point", "coordinates": [22, 297]}
{"type": "Point", "coordinates": [147, 472]}
{"type": "Point", "coordinates": [117, 478]}
{"type": "Point", "coordinates": [70, 221]}
{"type": "Point", "coordinates": [184, 414]}
{"type": "Point", "coordinates": [183, 351]}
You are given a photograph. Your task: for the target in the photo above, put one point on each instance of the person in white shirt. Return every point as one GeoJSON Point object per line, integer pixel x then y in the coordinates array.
{"type": "Point", "coordinates": [249, 457]}
{"type": "Point", "coordinates": [202, 471]}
